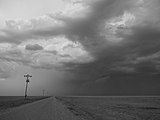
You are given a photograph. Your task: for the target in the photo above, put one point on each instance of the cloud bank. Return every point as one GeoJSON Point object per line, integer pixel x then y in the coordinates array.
{"type": "Point", "coordinates": [97, 40]}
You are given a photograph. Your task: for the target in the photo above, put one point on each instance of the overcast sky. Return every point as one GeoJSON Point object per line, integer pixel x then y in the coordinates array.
{"type": "Point", "coordinates": [80, 47]}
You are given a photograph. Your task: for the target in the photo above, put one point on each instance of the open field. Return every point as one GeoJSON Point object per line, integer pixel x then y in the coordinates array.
{"type": "Point", "coordinates": [114, 108]}
{"type": "Point", "coordinates": [7, 102]}
{"type": "Point", "coordinates": [84, 108]}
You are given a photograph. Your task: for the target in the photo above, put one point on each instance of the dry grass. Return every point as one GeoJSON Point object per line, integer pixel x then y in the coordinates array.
{"type": "Point", "coordinates": [15, 101]}
{"type": "Point", "coordinates": [114, 108]}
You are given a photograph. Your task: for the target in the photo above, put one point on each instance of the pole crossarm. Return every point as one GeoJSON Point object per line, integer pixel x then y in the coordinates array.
{"type": "Point", "coordinates": [27, 76]}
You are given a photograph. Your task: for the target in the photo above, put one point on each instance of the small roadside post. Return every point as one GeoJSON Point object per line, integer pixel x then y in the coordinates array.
{"type": "Point", "coordinates": [43, 92]}
{"type": "Point", "coordinates": [27, 81]}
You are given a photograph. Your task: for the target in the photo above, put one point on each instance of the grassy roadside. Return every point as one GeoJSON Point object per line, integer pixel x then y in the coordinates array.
{"type": "Point", "coordinates": [13, 101]}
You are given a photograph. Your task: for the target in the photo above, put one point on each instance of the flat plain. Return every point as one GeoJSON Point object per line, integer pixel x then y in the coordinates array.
{"type": "Point", "coordinates": [114, 108]}
{"type": "Point", "coordinates": [87, 108]}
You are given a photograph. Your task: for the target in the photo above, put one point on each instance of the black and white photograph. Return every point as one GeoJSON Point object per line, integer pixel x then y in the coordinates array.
{"type": "Point", "coordinates": [79, 59]}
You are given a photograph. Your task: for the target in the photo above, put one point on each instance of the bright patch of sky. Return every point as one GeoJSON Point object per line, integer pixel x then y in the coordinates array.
{"type": "Point", "coordinates": [26, 9]}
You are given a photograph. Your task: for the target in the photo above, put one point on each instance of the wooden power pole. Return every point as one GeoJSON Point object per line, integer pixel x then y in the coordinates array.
{"type": "Point", "coordinates": [27, 81]}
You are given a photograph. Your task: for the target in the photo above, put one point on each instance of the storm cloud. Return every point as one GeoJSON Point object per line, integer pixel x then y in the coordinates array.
{"type": "Point", "coordinates": [106, 46]}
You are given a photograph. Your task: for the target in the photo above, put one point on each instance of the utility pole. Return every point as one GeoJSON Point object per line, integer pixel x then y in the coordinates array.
{"type": "Point", "coordinates": [43, 92]}
{"type": "Point", "coordinates": [27, 81]}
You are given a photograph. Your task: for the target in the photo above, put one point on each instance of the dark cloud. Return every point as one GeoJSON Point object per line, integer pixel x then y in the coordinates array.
{"type": "Point", "coordinates": [130, 64]}
{"type": "Point", "coordinates": [34, 47]}
{"type": "Point", "coordinates": [123, 84]}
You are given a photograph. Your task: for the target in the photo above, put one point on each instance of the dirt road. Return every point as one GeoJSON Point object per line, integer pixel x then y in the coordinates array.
{"type": "Point", "coordinates": [47, 109]}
